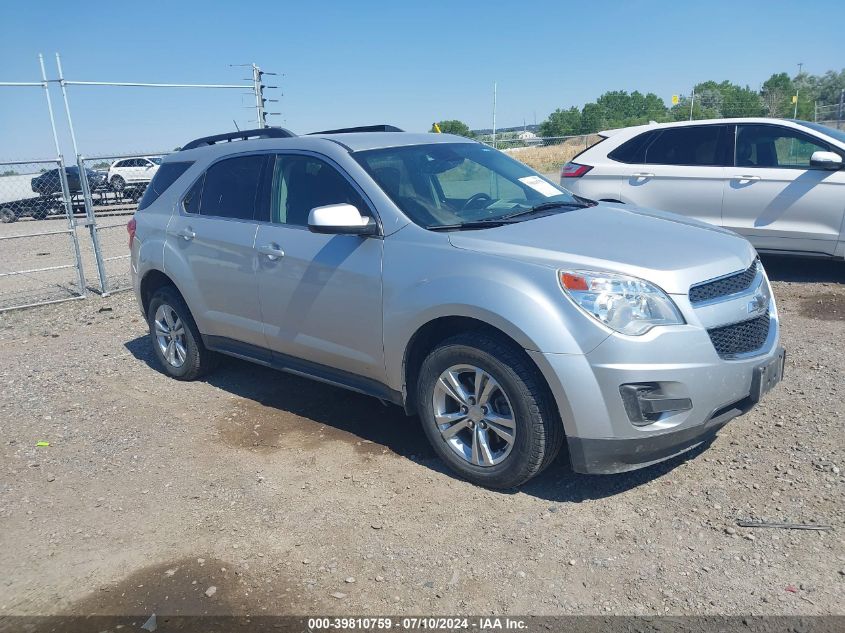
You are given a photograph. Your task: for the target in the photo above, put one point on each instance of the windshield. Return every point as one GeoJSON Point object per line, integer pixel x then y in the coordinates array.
{"type": "Point", "coordinates": [452, 184]}
{"type": "Point", "coordinates": [839, 135]}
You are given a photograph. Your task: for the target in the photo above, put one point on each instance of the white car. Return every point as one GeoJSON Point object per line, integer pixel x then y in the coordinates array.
{"type": "Point", "coordinates": [131, 172]}
{"type": "Point", "coordinates": [779, 183]}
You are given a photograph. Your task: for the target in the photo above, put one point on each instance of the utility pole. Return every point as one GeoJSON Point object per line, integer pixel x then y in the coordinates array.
{"type": "Point", "coordinates": [839, 112]}
{"type": "Point", "coordinates": [494, 114]}
{"type": "Point", "coordinates": [259, 96]}
{"type": "Point", "coordinates": [258, 88]}
{"type": "Point", "coordinates": [691, 103]}
{"type": "Point", "coordinates": [795, 114]}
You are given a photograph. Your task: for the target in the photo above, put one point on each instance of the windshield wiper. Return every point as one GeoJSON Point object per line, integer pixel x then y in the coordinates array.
{"type": "Point", "coordinates": [509, 218]}
{"type": "Point", "coordinates": [472, 224]}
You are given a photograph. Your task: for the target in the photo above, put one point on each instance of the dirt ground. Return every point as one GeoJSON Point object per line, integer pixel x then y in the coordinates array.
{"type": "Point", "coordinates": [262, 493]}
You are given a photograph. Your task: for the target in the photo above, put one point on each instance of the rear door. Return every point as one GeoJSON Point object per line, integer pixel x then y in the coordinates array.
{"type": "Point", "coordinates": [776, 199]}
{"type": "Point", "coordinates": [320, 294]}
{"type": "Point", "coordinates": [681, 169]}
{"type": "Point", "coordinates": [212, 239]}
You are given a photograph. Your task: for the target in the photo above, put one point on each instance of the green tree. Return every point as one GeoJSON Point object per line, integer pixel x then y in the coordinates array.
{"type": "Point", "coordinates": [562, 123]}
{"type": "Point", "coordinates": [777, 95]}
{"type": "Point", "coordinates": [453, 126]}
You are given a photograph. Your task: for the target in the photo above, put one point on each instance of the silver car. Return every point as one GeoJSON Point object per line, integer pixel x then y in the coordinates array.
{"type": "Point", "coordinates": [439, 274]}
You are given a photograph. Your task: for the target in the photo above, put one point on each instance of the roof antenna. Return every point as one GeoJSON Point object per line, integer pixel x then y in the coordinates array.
{"type": "Point", "coordinates": [236, 125]}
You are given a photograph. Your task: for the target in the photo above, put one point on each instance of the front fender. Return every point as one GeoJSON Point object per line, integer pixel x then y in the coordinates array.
{"type": "Point", "coordinates": [426, 278]}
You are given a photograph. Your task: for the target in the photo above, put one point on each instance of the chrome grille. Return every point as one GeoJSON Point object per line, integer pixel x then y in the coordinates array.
{"type": "Point", "coordinates": [723, 287]}
{"type": "Point", "coordinates": [740, 338]}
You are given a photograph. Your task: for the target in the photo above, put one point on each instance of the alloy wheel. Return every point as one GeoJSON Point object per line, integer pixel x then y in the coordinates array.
{"type": "Point", "coordinates": [474, 415]}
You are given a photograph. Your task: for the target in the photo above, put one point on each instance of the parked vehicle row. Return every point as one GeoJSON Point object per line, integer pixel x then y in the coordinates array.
{"type": "Point", "coordinates": [126, 177]}
{"type": "Point", "coordinates": [437, 273]}
{"type": "Point", "coordinates": [779, 183]}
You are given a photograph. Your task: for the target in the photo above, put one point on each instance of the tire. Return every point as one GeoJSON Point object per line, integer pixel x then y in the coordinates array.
{"type": "Point", "coordinates": [517, 388]}
{"type": "Point", "coordinates": [117, 183]}
{"type": "Point", "coordinates": [7, 216]}
{"type": "Point", "coordinates": [193, 360]}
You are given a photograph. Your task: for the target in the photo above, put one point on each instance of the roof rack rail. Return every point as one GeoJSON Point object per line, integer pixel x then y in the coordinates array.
{"type": "Point", "coordinates": [241, 135]}
{"type": "Point", "coordinates": [362, 128]}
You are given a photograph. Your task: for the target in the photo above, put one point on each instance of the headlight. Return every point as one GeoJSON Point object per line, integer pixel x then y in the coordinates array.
{"type": "Point", "coordinates": [626, 304]}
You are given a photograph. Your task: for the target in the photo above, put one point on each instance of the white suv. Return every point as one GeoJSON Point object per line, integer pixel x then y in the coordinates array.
{"type": "Point", "coordinates": [779, 183]}
{"type": "Point", "coordinates": [129, 172]}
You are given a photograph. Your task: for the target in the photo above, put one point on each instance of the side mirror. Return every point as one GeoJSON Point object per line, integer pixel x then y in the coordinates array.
{"type": "Point", "coordinates": [340, 219]}
{"type": "Point", "coordinates": [826, 160]}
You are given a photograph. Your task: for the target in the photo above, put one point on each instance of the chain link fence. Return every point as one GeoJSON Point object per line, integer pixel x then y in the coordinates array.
{"type": "Point", "coordinates": [110, 194]}
{"type": "Point", "coordinates": [40, 259]}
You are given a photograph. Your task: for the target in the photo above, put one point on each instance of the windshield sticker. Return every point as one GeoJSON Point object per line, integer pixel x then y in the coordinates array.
{"type": "Point", "coordinates": [541, 186]}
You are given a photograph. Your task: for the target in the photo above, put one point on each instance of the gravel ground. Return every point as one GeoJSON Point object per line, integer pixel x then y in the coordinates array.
{"type": "Point", "coordinates": [258, 492]}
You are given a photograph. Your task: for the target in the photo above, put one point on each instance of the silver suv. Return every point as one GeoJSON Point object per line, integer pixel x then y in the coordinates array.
{"type": "Point", "coordinates": [439, 274]}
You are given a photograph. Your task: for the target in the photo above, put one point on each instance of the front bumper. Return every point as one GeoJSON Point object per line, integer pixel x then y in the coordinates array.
{"type": "Point", "coordinates": [680, 359]}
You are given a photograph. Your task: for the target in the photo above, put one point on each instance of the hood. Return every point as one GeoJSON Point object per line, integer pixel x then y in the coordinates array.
{"type": "Point", "coordinates": [669, 250]}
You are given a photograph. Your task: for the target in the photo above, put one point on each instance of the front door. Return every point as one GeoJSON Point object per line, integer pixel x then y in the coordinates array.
{"type": "Point", "coordinates": [776, 199]}
{"type": "Point", "coordinates": [320, 295]}
{"type": "Point", "coordinates": [683, 170]}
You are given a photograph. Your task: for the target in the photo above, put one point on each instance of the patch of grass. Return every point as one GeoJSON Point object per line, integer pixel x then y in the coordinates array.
{"type": "Point", "coordinates": [548, 158]}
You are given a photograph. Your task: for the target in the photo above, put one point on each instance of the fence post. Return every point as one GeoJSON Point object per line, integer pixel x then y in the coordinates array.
{"type": "Point", "coordinates": [71, 225]}
{"type": "Point", "coordinates": [91, 222]}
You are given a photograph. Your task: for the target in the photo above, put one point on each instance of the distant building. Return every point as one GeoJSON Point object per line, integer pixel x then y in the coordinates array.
{"type": "Point", "coordinates": [525, 135]}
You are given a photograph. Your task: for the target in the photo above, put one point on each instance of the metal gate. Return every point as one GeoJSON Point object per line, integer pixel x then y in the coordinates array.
{"type": "Point", "coordinates": [40, 259]}
{"type": "Point", "coordinates": [110, 193]}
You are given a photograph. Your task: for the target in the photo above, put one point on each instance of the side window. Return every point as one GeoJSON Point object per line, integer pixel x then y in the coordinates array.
{"type": "Point", "coordinates": [774, 146]}
{"type": "Point", "coordinates": [164, 177]}
{"type": "Point", "coordinates": [120, 163]}
{"type": "Point", "coordinates": [633, 151]}
{"type": "Point", "coordinates": [700, 146]}
{"type": "Point", "coordinates": [301, 183]}
{"type": "Point", "coordinates": [191, 200]}
{"type": "Point", "coordinates": [231, 187]}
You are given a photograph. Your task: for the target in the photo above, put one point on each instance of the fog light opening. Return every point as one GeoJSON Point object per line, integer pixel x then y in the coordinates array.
{"type": "Point", "coordinates": [645, 403]}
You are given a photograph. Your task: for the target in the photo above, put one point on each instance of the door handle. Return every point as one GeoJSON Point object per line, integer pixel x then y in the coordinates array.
{"type": "Point", "coordinates": [746, 178]}
{"type": "Point", "coordinates": [642, 175]}
{"type": "Point", "coordinates": [271, 251]}
{"type": "Point", "coordinates": [186, 234]}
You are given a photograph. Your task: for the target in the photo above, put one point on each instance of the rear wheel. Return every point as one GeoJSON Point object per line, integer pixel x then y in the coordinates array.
{"type": "Point", "coordinates": [118, 183]}
{"type": "Point", "coordinates": [7, 216]}
{"type": "Point", "coordinates": [486, 411]}
{"type": "Point", "coordinates": [176, 340]}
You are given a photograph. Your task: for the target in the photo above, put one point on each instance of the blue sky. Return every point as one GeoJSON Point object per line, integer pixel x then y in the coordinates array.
{"type": "Point", "coordinates": [406, 63]}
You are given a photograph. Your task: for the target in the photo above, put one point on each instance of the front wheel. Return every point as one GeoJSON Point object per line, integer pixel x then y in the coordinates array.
{"type": "Point", "coordinates": [176, 340]}
{"type": "Point", "coordinates": [486, 411]}
{"type": "Point", "coordinates": [7, 216]}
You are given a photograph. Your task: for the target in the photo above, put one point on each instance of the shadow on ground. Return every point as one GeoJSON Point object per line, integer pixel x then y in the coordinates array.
{"type": "Point", "coordinates": [804, 269]}
{"type": "Point", "coordinates": [286, 403]}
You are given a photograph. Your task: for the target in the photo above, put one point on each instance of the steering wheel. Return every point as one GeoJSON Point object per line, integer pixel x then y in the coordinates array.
{"type": "Point", "coordinates": [475, 198]}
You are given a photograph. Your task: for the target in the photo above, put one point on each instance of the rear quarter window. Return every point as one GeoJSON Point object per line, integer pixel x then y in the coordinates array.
{"type": "Point", "coordinates": [166, 175]}
{"type": "Point", "coordinates": [633, 150]}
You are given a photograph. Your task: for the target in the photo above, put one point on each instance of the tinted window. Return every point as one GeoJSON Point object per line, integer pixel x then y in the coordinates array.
{"type": "Point", "coordinates": [301, 183]}
{"type": "Point", "coordinates": [633, 151]}
{"type": "Point", "coordinates": [191, 201]}
{"type": "Point", "coordinates": [696, 145]}
{"type": "Point", "coordinates": [231, 187]}
{"type": "Point", "coordinates": [775, 146]}
{"type": "Point", "coordinates": [164, 177]}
